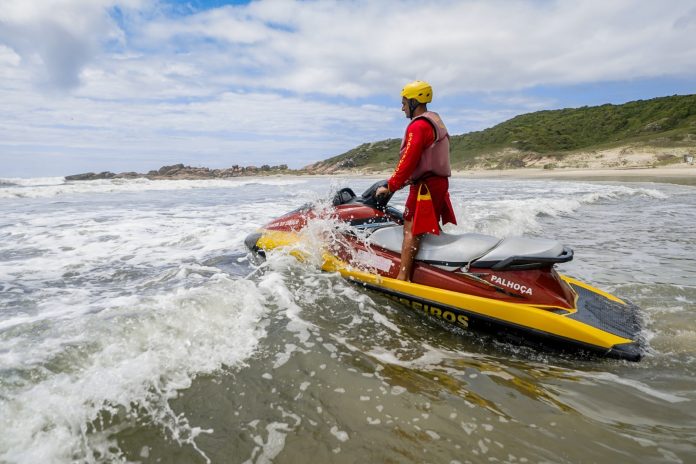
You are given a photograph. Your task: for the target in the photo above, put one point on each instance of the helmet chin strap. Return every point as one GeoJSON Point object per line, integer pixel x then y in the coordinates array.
{"type": "Point", "coordinates": [412, 105]}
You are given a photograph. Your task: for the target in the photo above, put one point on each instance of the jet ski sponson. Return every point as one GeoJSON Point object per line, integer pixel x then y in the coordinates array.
{"type": "Point", "coordinates": [472, 281]}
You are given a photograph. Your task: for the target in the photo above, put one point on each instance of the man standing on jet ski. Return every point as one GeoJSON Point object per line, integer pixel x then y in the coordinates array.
{"type": "Point", "coordinates": [424, 164]}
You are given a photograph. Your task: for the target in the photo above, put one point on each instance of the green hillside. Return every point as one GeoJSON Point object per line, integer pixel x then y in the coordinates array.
{"type": "Point", "coordinates": [659, 122]}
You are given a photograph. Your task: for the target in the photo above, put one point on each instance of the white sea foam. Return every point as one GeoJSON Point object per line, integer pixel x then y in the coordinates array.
{"type": "Point", "coordinates": [267, 450]}
{"type": "Point", "coordinates": [117, 243]}
{"type": "Point", "coordinates": [635, 384]}
{"type": "Point", "coordinates": [122, 300]}
{"type": "Point", "coordinates": [274, 444]}
{"type": "Point", "coordinates": [31, 181]}
{"type": "Point", "coordinates": [51, 187]}
{"type": "Point", "coordinates": [502, 212]}
{"type": "Point", "coordinates": [339, 434]}
{"type": "Point", "coordinates": [133, 359]}
{"type": "Point", "coordinates": [431, 357]}
{"type": "Point", "coordinates": [121, 306]}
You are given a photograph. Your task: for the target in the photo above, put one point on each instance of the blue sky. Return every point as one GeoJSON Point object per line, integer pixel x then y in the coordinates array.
{"type": "Point", "coordinates": [94, 85]}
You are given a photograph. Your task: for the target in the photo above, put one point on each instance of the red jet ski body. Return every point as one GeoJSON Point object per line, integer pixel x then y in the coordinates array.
{"type": "Point", "coordinates": [476, 282]}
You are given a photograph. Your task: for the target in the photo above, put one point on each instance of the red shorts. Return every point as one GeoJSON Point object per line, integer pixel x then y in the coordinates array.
{"type": "Point", "coordinates": [439, 193]}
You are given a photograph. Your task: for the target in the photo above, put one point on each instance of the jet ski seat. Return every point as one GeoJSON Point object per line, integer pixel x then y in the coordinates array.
{"type": "Point", "coordinates": [453, 251]}
{"type": "Point", "coordinates": [448, 251]}
{"type": "Point", "coordinates": [524, 253]}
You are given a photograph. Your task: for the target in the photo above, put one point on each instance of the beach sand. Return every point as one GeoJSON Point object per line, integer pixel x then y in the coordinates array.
{"type": "Point", "coordinates": [684, 174]}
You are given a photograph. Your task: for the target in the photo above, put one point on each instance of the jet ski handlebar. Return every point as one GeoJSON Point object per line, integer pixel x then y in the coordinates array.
{"type": "Point", "coordinates": [370, 198]}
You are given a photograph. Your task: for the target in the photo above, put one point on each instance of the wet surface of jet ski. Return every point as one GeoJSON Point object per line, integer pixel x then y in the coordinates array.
{"type": "Point", "coordinates": [473, 281]}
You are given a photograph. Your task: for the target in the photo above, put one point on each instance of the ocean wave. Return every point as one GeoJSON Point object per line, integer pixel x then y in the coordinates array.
{"type": "Point", "coordinates": [507, 214]}
{"type": "Point", "coordinates": [51, 187]}
{"type": "Point", "coordinates": [113, 308]}
{"type": "Point", "coordinates": [31, 181]}
{"type": "Point", "coordinates": [125, 360]}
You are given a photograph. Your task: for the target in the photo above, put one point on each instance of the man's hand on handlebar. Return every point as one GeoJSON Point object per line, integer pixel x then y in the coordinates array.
{"type": "Point", "coordinates": [381, 192]}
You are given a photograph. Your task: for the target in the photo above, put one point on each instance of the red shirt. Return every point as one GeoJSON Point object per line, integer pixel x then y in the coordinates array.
{"type": "Point", "coordinates": [419, 136]}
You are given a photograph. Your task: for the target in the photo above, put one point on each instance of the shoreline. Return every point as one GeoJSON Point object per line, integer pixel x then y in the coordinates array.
{"type": "Point", "coordinates": [684, 174]}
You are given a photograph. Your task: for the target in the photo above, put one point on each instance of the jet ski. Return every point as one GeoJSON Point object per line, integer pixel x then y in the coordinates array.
{"type": "Point", "coordinates": [472, 281]}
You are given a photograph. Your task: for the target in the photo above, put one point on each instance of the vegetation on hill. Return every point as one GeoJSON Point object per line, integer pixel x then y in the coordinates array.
{"type": "Point", "coordinates": [659, 122]}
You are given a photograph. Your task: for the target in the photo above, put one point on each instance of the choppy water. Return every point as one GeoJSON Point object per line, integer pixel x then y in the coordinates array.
{"type": "Point", "coordinates": [134, 329]}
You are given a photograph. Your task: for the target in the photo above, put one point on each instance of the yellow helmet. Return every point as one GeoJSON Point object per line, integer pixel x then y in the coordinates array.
{"type": "Point", "coordinates": [420, 91]}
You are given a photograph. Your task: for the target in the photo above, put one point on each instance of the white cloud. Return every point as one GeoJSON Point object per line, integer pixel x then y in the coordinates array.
{"type": "Point", "coordinates": [348, 48]}
{"type": "Point", "coordinates": [362, 48]}
{"type": "Point", "coordinates": [57, 38]}
{"type": "Point", "coordinates": [239, 81]}
{"type": "Point", "coordinates": [231, 128]}
{"type": "Point", "coordinates": [8, 59]}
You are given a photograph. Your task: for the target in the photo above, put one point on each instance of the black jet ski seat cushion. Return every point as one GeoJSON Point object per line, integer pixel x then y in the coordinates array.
{"type": "Point", "coordinates": [453, 251]}
{"type": "Point", "coordinates": [447, 251]}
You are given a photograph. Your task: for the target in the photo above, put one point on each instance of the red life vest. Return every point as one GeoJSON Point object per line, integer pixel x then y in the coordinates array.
{"type": "Point", "coordinates": [435, 159]}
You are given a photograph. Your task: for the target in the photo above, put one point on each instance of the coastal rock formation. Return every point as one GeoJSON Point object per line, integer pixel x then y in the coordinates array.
{"type": "Point", "coordinates": [180, 171]}
{"type": "Point", "coordinates": [92, 176]}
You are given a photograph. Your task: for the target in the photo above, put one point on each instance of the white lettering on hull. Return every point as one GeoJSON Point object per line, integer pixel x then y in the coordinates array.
{"type": "Point", "coordinates": [374, 261]}
{"type": "Point", "coordinates": [286, 223]}
{"type": "Point", "coordinates": [513, 285]}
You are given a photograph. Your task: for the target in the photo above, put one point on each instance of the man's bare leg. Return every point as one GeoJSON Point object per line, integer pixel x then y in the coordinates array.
{"type": "Point", "coordinates": [409, 249]}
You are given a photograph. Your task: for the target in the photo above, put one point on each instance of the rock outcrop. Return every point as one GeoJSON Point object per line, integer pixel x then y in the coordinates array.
{"type": "Point", "coordinates": [180, 171]}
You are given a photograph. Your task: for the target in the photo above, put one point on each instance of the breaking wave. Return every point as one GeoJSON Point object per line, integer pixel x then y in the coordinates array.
{"type": "Point", "coordinates": [77, 386]}
{"type": "Point", "coordinates": [57, 186]}
{"type": "Point", "coordinates": [496, 212]}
